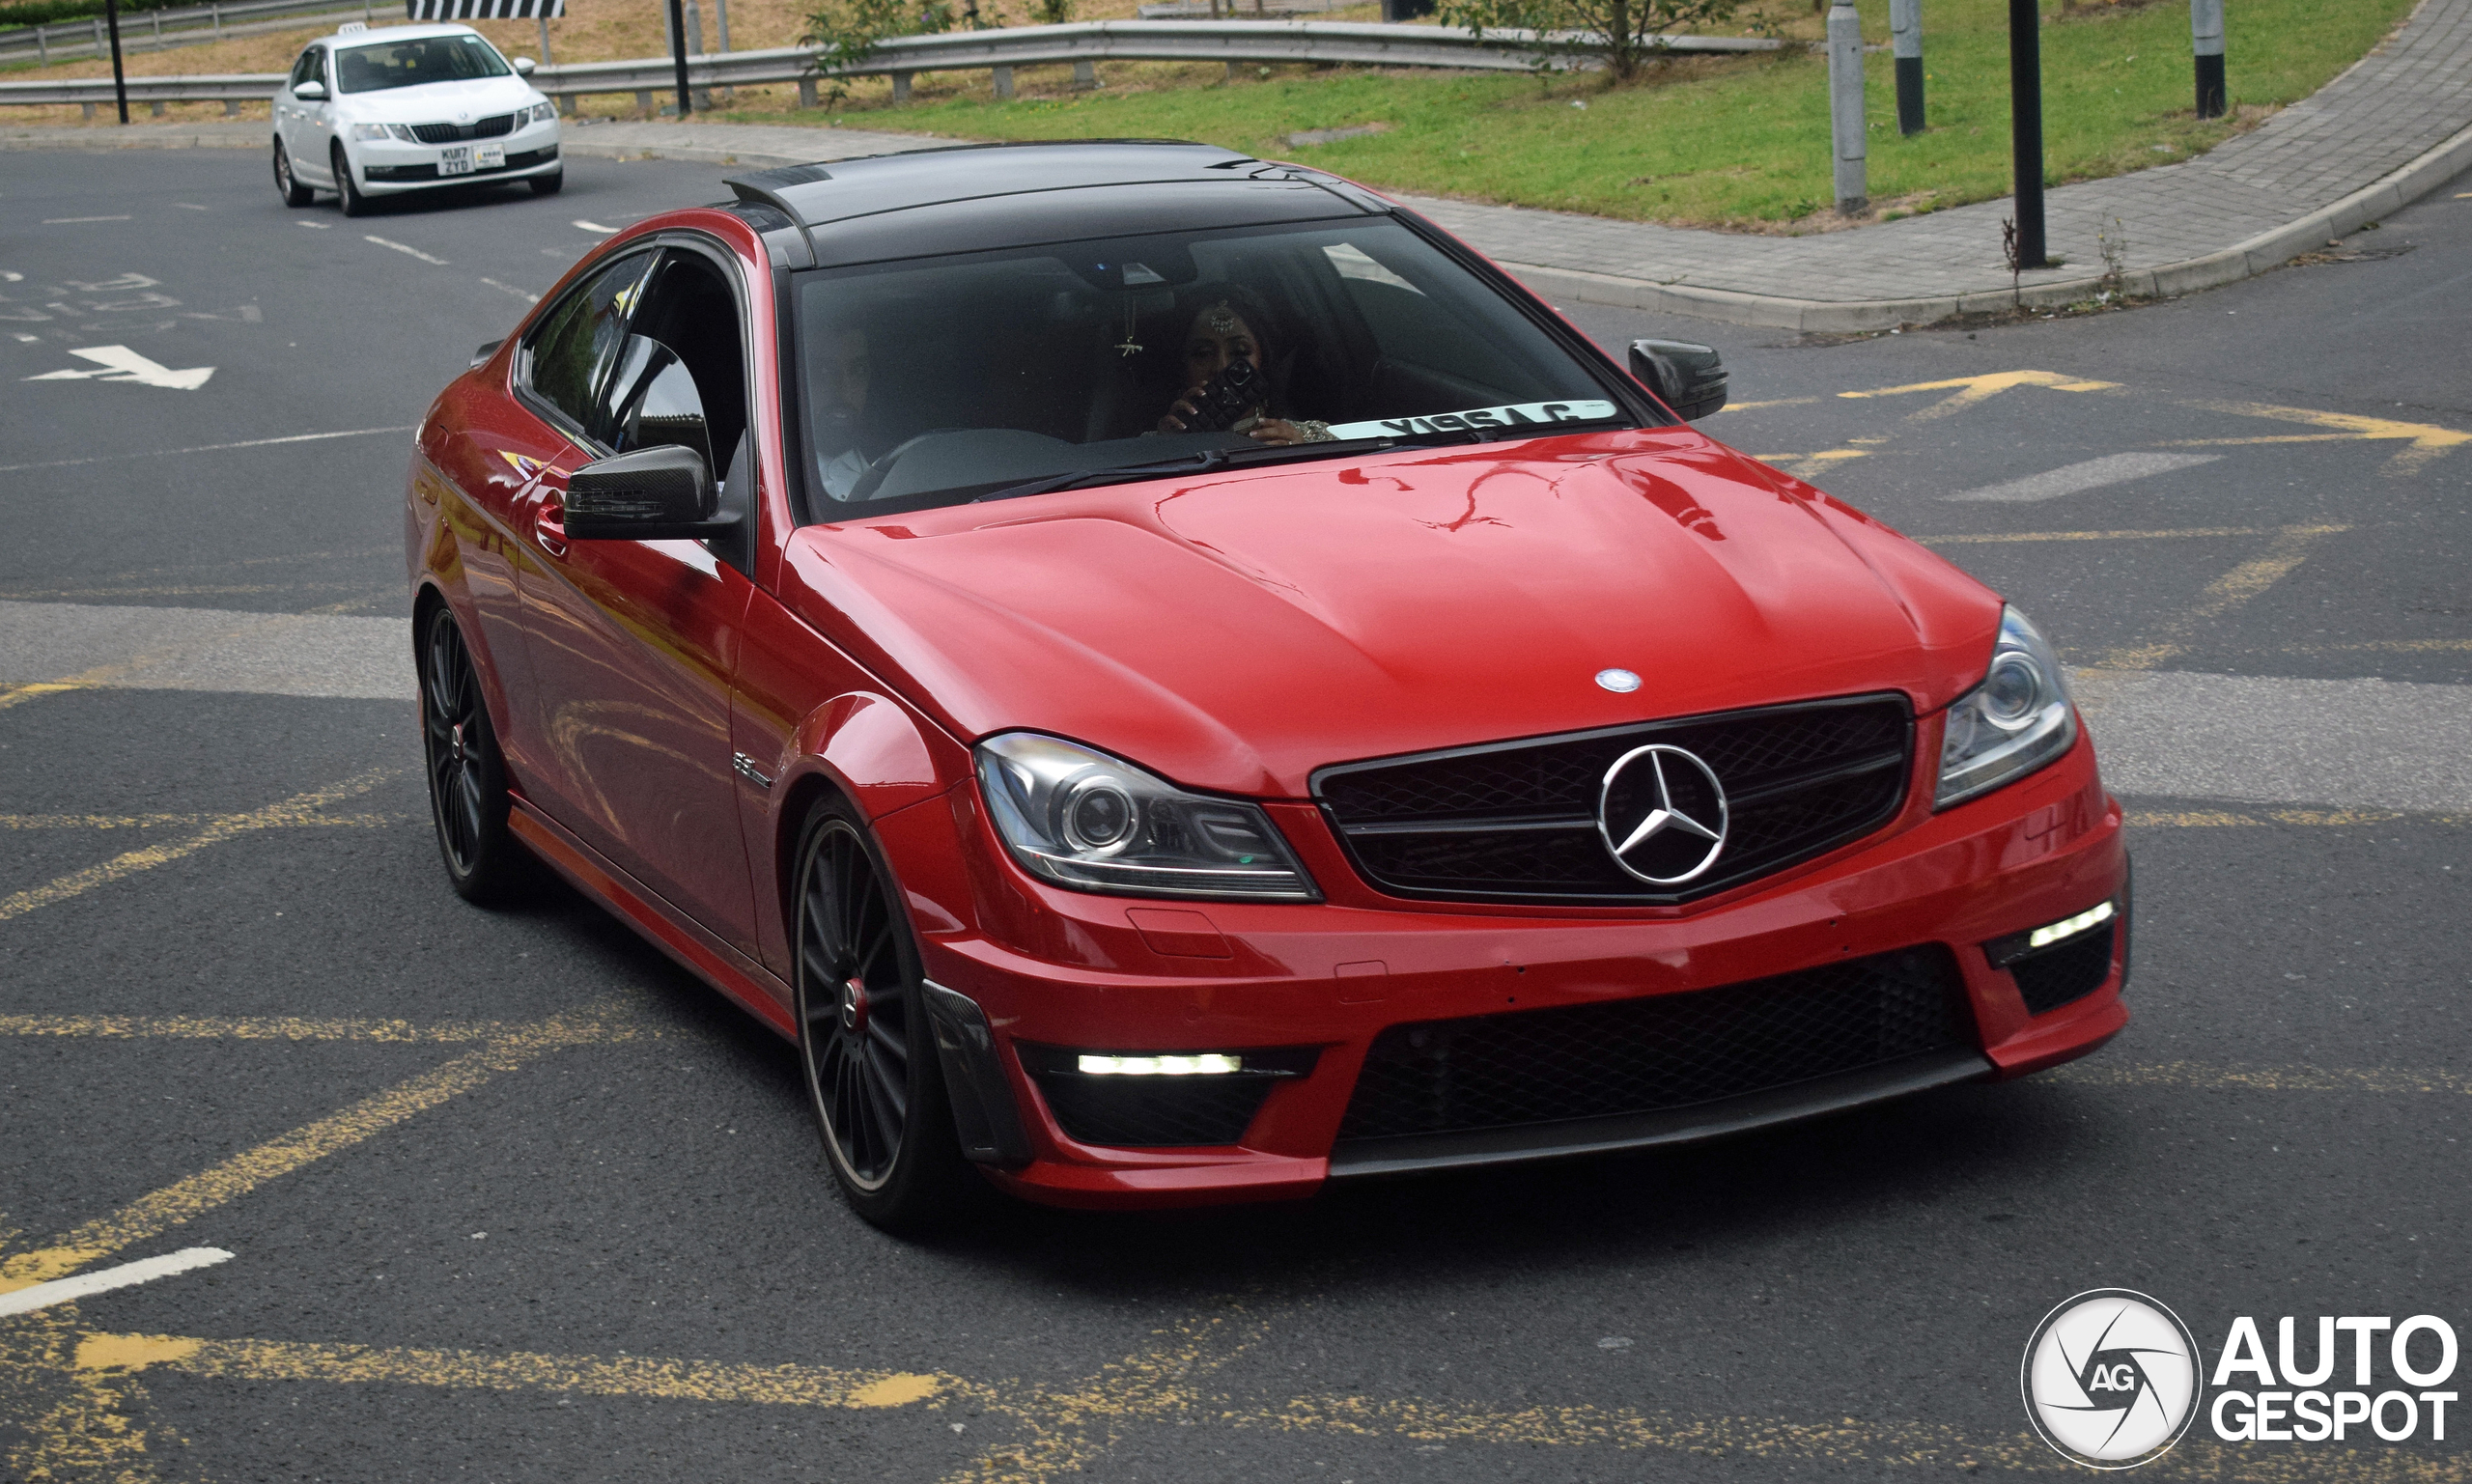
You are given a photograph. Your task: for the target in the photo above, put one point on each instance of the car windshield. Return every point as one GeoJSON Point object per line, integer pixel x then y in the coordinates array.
{"type": "Point", "coordinates": [933, 382]}
{"type": "Point", "coordinates": [409, 64]}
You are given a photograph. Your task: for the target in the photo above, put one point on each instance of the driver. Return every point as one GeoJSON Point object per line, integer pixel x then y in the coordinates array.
{"type": "Point", "coordinates": [1227, 326]}
{"type": "Point", "coordinates": [839, 371]}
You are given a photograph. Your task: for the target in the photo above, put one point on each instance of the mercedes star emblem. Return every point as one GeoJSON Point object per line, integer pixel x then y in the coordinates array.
{"type": "Point", "coordinates": [1662, 814]}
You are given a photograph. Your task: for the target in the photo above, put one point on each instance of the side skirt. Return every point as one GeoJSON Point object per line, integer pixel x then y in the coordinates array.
{"type": "Point", "coordinates": [755, 988]}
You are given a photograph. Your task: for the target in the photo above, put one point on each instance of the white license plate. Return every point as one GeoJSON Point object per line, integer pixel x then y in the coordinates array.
{"type": "Point", "coordinates": [464, 158]}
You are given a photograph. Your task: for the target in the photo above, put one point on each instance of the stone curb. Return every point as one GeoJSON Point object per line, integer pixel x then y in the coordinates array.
{"type": "Point", "coordinates": [2266, 250]}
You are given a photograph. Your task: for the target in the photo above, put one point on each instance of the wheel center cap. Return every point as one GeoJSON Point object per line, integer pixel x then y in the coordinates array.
{"type": "Point", "coordinates": [853, 1005]}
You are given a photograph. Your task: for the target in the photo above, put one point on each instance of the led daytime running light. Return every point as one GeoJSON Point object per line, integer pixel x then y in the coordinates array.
{"type": "Point", "coordinates": [2068, 926]}
{"type": "Point", "coordinates": [1206, 1064]}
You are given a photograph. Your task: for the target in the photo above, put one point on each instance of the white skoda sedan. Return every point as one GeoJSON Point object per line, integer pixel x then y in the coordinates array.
{"type": "Point", "coordinates": [374, 113]}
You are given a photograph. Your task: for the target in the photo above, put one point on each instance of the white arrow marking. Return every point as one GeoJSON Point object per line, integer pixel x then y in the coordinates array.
{"type": "Point", "coordinates": [65, 1290]}
{"type": "Point", "coordinates": [120, 363]}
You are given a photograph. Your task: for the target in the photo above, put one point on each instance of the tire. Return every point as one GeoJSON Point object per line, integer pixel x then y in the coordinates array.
{"type": "Point", "coordinates": [355, 203]}
{"type": "Point", "coordinates": [294, 194]}
{"type": "Point", "coordinates": [467, 796]}
{"type": "Point", "coordinates": [550, 185]}
{"type": "Point", "coordinates": [865, 1048]}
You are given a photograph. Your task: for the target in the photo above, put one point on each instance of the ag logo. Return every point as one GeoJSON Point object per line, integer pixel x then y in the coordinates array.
{"type": "Point", "coordinates": [2111, 1378]}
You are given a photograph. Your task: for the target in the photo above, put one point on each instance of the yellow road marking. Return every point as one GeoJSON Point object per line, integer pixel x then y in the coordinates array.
{"type": "Point", "coordinates": [1811, 465]}
{"type": "Point", "coordinates": [1998, 538]}
{"type": "Point", "coordinates": [12, 695]}
{"type": "Point", "coordinates": [2424, 442]}
{"type": "Point", "coordinates": [211, 1027]}
{"type": "Point", "coordinates": [2223, 595]}
{"type": "Point", "coordinates": [2215, 819]}
{"type": "Point", "coordinates": [1970, 390]}
{"type": "Point", "coordinates": [697, 1380]}
{"type": "Point", "coordinates": [1781, 401]}
{"type": "Point", "coordinates": [153, 1215]}
{"type": "Point", "coordinates": [2217, 1079]}
{"type": "Point", "coordinates": [166, 821]}
{"type": "Point", "coordinates": [299, 809]}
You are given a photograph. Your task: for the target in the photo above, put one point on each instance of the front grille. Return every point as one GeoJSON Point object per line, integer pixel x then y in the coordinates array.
{"type": "Point", "coordinates": [1658, 1053]}
{"type": "Point", "coordinates": [2064, 974]}
{"type": "Point", "coordinates": [1516, 820]}
{"type": "Point", "coordinates": [490, 128]}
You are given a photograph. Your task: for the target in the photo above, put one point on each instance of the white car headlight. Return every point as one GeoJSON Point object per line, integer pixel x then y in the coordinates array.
{"type": "Point", "coordinates": [2018, 719]}
{"type": "Point", "coordinates": [1084, 819]}
{"type": "Point", "coordinates": [368, 131]}
{"type": "Point", "coordinates": [537, 113]}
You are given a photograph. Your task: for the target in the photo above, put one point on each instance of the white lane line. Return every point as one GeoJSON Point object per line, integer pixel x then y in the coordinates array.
{"type": "Point", "coordinates": [203, 448]}
{"type": "Point", "coordinates": [588, 226]}
{"type": "Point", "coordinates": [32, 339]}
{"type": "Point", "coordinates": [27, 1301]}
{"type": "Point", "coordinates": [185, 207]}
{"type": "Point", "coordinates": [66, 221]}
{"type": "Point", "coordinates": [417, 253]}
{"type": "Point", "coordinates": [529, 298]}
{"type": "Point", "coordinates": [2092, 474]}
{"type": "Point", "coordinates": [316, 226]}
{"type": "Point", "coordinates": [2361, 743]}
{"type": "Point", "coordinates": [205, 649]}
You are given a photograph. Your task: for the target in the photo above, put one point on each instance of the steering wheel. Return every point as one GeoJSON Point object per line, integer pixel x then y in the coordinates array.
{"type": "Point", "coordinates": [877, 472]}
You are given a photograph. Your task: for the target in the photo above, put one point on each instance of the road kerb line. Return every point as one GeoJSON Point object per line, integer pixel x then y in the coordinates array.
{"type": "Point", "coordinates": [153, 1215]}
{"type": "Point", "coordinates": [296, 810]}
{"type": "Point", "coordinates": [646, 1376]}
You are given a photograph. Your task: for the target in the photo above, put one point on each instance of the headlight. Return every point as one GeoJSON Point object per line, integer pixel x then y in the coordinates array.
{"type": "Point", "coordinates": [537, 113]}
{"type": "Point", "coordinates": [1084, 819]}
{"type": "Point", "coordinates": [2015, 722]}
{"type": "Point", "coordinates": [368, 131]}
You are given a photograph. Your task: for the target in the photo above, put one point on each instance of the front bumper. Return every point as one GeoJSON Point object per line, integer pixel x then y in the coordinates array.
{"type": "Point", "coordinates": [1318, 983]}
{"type": "Point", "coordinates": [388, 166]}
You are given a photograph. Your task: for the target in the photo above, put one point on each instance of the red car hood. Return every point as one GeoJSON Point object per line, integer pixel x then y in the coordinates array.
{"type": "Point", "coordinates": [1236, 633]}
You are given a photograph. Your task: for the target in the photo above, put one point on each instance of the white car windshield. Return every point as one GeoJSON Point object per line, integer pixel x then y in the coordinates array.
{"type": "Point", "coordinates": [937, 382]}
{"type": "Point", "coordinates": [387, 65]}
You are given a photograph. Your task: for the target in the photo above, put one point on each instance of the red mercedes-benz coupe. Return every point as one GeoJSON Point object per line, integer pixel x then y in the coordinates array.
{"type": "Point", "coordinates": [1175, 680]}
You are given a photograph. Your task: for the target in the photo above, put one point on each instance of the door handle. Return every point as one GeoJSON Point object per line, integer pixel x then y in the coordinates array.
{"type": "Point", "coordinates": [550, 523]}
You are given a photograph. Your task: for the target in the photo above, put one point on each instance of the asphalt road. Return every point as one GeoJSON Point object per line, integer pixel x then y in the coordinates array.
{"type": "Point", "coordinates": [509, 1197]}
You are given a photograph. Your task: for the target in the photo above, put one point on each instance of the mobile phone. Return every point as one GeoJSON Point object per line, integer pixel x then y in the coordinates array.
{"type": "Point", "coordinates": [1239, 391]}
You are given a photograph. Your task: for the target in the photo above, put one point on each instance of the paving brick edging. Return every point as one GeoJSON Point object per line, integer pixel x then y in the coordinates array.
{"type": "Point", "coordinates": [2381, 198]}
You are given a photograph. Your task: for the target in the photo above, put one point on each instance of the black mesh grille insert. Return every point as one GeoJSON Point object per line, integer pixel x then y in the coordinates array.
{"type": "Point", "coordinates": [1658, 1053]}
{"type": "Point", "coordinates": [1516, 820]}
{"type": "Point", "coordinates": [1153, 1111]}
{"type": "Point", "coordinates": [490, 128]}
{"type": "Point", "coordinates": [2058, 976]}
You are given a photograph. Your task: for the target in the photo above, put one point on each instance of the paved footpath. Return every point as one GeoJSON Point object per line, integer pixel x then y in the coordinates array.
{"type": "Point", "coordinates": [2395, 127]}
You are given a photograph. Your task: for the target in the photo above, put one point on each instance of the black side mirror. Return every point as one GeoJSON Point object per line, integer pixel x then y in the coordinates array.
{"type": "Point", "coordinates": [1689, 379]}
{"type": "Point", "coordinates": [481, 356]}
{"type": "Point", "coordinates": [662, 493]}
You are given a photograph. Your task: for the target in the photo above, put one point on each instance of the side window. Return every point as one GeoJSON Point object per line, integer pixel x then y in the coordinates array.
{"type": "Point", "coordinates": [688, 321]}
{"type": "Point", "coordinates": [306, 69]}
{"type": "Point", "coordinates": [568, 359]}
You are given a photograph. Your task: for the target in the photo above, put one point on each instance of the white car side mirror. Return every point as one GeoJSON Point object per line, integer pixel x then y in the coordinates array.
{"type": "Point", "coordinates": [310, 92]}
{"type": "Point", "coordinates": [524, 67]}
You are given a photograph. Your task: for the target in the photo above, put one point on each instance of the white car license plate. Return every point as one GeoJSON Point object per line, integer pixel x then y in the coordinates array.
{"type": "Point", "coordinates": [464, 158]}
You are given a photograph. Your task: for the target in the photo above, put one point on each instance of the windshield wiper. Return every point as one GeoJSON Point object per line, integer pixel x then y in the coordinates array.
{"type": "Point", "coordinates": [1227, 458]}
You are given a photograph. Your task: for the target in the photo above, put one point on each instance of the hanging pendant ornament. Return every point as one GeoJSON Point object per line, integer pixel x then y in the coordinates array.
{"type": "Point", "coordinates": [1128, 347]}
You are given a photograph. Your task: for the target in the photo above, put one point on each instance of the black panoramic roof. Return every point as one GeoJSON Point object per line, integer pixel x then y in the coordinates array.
{"type": "Point", "coordinates": [970, 197]}
{"type": "Point", "coordinates": [836, 190]}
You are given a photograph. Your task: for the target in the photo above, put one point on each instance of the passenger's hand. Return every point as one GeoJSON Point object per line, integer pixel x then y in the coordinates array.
{"type": "Point", "coordinates": [1171, 423]}
{"type": "Point", "coordinates": [1277, 431]}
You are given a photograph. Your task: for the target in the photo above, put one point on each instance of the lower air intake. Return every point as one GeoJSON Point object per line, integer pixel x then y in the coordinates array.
{"type": "Point", "coordinates": [1660, 1052]}
{"type": "Point", "coordinates": [2066, 974]}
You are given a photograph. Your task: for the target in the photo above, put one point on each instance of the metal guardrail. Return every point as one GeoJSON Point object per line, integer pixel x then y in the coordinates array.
{"type": "Point", "coordinates": [61, 40]}
{"type": "Point", "coordinates": [1083, 44]}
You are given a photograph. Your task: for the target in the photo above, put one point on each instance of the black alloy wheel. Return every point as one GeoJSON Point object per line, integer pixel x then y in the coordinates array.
{"type": "Point", "coordinates": [550, 185]}
{"type": "Point", "coordinates": [864, 1041]}
{"type": "Point", "coordinates": [467, 797]}
{"type": "Point", "coordinates": [354, 201]}
{"type": "Point", "coordinates": [294, 192]}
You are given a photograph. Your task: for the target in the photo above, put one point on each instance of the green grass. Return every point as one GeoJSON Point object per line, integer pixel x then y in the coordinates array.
{"type": "Point", "coordinates": [1733, 143]}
